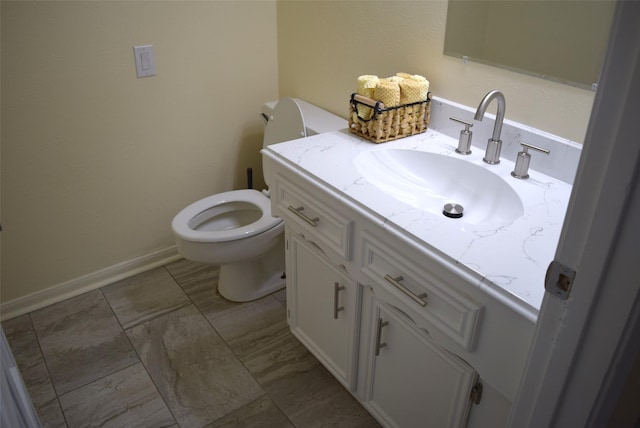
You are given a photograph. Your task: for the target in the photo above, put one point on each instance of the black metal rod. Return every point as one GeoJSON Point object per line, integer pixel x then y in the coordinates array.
{"type": "Point", "coordinates": [249, 178]}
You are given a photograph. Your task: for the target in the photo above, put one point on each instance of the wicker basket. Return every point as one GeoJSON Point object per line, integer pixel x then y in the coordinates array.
{"type": "Point", "coordinates": [386, 124]}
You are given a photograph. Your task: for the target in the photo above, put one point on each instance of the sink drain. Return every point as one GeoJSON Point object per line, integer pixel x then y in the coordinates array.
{"type": "Point", "coordinates": [452, 210]}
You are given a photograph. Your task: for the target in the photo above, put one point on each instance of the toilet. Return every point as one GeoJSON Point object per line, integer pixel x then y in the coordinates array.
{"type": "Point", "coordinates": [235, 229]}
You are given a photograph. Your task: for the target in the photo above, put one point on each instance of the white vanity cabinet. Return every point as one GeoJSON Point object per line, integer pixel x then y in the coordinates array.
{"type": "Point", "coordinates": [448, 354]}
{"type": "Point", "coordinates": [409, 381]}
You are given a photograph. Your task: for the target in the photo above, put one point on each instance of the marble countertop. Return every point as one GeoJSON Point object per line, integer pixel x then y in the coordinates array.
{"type": "Point", "coordinates": [508, 261]}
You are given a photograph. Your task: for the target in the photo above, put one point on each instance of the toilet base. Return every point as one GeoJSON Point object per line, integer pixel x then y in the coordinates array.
{"type": "Point", "coordinates": [251, 280]}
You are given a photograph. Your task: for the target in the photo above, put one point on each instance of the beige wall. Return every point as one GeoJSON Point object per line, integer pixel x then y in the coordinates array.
{"type": "Point", "coordinates": [324, 46]}
{"type": "Point", "coordinates": [95, 162]}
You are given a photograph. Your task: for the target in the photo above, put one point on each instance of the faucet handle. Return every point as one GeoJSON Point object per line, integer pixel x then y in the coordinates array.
{"type": "Point", "coordinates": [464, 142]}
{"type": "Point", "coordinates": [521, 170]}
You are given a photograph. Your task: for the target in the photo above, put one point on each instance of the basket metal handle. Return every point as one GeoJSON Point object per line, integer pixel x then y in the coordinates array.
{"type": "Point", "coordinates": [367, 101]}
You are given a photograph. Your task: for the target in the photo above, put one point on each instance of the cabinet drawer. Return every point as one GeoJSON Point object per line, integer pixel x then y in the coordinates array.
{"type": "Point", "coordinates": [421, 290]}
{"type": "Point", "coordinates": [314, 216]}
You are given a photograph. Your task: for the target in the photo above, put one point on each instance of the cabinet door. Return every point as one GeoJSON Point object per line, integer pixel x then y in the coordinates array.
{"type": "Point", "coordinates": [321, 300]}
{"type": "Point", "coordinates": [411, 381]}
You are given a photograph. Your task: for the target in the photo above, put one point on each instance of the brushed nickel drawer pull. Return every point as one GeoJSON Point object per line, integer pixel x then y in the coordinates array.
{"type": "Point", "coordinates": [379, 343]}
{"type": "Point", "coordinates": [298, 211]}
{"type": "Point", "coordinates": [396, 283]}
{"type": "Point", "coordinates": [337, 288]}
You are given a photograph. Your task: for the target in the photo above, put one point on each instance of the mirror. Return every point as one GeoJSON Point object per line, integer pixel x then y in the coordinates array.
{"type": "Point", "coordinates": [564, 41]}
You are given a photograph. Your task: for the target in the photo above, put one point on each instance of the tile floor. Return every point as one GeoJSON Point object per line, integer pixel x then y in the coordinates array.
{"type": "Point", "coordinates": [163, 349]}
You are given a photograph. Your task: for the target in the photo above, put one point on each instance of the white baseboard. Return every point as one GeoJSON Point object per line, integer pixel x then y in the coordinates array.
{"type": "Point", "coordinates": [92, 281]}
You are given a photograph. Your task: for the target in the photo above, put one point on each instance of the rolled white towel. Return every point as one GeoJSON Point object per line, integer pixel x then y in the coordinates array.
{"type": "Point", "coordinates": [413, 91]}
{"type": "Point", "coordinates": [388, 92]}
{"type": "Point", "coordinates": [366, 86]}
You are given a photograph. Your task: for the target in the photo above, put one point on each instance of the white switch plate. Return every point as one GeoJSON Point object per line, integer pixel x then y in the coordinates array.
{"type": "Point", "coordinates": [145, 61]}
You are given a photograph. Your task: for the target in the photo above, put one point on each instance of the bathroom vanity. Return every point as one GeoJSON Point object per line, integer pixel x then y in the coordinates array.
{"type": "Point", "coordinates": [426, 319]}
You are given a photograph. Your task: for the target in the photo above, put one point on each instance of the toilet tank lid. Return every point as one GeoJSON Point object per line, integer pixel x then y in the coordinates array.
{"type": "Point", "coordinates": [316, 119]}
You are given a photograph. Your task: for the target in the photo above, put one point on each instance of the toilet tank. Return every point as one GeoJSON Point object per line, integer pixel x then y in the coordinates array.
{"type": "Point", "coordinates": [316, 119]}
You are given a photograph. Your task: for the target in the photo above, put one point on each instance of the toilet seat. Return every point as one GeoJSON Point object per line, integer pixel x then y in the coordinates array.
{"type": "Point", "coordinates": [215, 204]}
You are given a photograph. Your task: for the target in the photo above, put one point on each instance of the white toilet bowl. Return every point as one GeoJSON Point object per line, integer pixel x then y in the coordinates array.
{"type": "Point", "coordinates": [236, 230]}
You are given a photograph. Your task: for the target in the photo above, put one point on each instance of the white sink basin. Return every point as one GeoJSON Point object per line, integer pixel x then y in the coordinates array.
{"type": "Point", "coordinates": [428, 181]}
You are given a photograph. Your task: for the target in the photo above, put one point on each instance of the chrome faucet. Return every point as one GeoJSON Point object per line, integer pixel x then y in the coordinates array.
{"type": "Point", "coordinates": [494, 145]}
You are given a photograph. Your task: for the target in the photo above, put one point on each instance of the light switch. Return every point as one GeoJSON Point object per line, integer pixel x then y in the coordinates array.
{"type": "Point", "coordinates": [145, 62]}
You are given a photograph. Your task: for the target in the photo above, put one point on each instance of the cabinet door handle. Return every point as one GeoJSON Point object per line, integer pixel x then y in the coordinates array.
{"type": "Point", "coordinates": [396, 283]}
{"type": "Point", "coordinates": [379, 343]}
{"type": "Point", "coordinates": [337, 288]}
{"type": "Point", "coordinates": [298, 211]}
